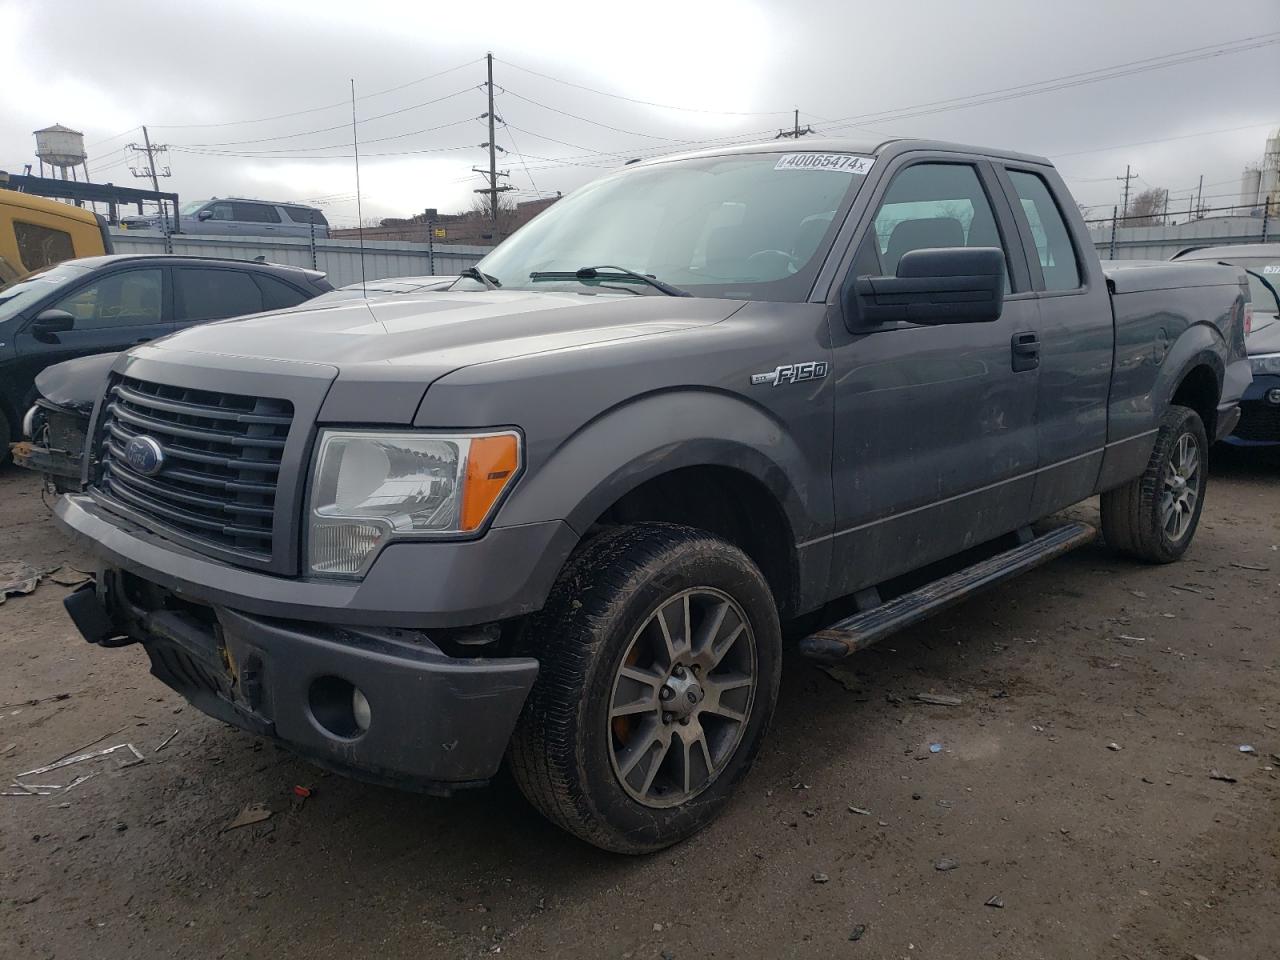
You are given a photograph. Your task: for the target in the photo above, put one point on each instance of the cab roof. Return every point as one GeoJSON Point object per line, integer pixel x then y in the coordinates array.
{"type": "Point", "coordinates": [29, 201]}
{"type": "Point", "coordinates": [866, 147]}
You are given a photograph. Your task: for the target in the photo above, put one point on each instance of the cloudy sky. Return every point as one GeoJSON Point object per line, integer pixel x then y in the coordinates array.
{"type": "Point", "coordinates": [251, 96]}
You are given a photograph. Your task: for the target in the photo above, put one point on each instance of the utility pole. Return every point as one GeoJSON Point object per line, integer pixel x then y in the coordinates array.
{"type": "Point", "coordinates": [493, 172]}
{"type": "Point", "coordinates": [795, 131]}
{"type": "Point", "coordinates": [1199, 193]}
{"type": "Point", "coordinates": [1128, 175]}
{"type": "Point", "coordinates": [153, 172]}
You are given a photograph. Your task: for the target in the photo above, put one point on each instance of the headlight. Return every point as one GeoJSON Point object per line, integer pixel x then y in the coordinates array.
{"type": "Point", "coordinates": [1265, 363]}
{"type": "Point", "coordinates": [29, 426]}
{"type": "Point", "coordinates": [370, 487]}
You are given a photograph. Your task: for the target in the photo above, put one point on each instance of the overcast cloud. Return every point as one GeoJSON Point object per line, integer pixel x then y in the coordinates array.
{"type": "Point", "coordinates": [737, 68]}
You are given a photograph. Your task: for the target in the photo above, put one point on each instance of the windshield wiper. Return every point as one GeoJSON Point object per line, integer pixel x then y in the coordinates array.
{"type": "Point", "coordinates": [478, 275]}
{"type": "Point", "coordinates": [593, 273]}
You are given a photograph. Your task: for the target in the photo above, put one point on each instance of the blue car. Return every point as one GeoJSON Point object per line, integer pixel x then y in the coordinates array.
{"type": "Point", "coordinates": [1260, 406]}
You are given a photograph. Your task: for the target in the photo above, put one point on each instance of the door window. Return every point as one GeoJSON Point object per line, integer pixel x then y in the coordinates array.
{"type": "Point", "coordinates": [214, 294]}
{"type": "Point", "coordinates": [1049, 230]}
{"type": "Point", "coordinates": [306, 215]}
{"type": "Point", "coordinates": [256, 213]}
{"type": "Point", "coordinates": [42, 246]}
{"type": "Point", "coordinates": [930, 205]}
{"type": "Point", "coordinates": [130, 298]}
{"type": "Point", "coordinates": [276, 294]}
{"type": "Point", "coordinates": [221, 211]}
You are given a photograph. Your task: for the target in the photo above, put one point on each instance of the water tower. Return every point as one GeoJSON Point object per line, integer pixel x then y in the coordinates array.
{"type": "Point", "coordinates": [63, 149]}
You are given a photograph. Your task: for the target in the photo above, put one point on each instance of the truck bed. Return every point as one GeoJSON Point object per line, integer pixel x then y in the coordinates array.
{"type": "Point", "coordinates": [1138, 276]}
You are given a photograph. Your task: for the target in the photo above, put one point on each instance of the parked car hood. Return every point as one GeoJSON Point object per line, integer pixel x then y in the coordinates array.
{"type": "Point", "coordinates": [76, 384]}
{"type": "Point", "coordinates": [1265, 337]}
{"type": "Point", "coordinates": [440, 332]}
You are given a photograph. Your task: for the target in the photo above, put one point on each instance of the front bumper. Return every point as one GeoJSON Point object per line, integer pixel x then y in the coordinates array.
{"type": "Point", "coordinates": [434, 723]}
{"type": "Point", "coordinates": [47, 461]}
{"type": "Point", "coordinates": [422, 585]}
{"type": "Point", "coordinates": [1259, 424]}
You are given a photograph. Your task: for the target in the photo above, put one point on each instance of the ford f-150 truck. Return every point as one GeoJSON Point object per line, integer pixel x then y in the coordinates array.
{"type": "Point", "coordinates": [560, 513]}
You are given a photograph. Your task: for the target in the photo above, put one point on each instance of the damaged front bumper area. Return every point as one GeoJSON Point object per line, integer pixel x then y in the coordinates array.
{"type": "Point", "coordinates": [381, 704]}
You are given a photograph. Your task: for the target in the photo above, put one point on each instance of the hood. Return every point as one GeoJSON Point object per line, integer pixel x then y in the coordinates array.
{"type": "Point", "coordinates": [76, 384]}
{"type": "Point", "coordinates": [424, 337]}
{"type": "Point", "coordinates": [1265, 335]}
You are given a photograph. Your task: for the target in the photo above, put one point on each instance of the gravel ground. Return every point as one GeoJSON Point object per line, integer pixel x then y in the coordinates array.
{"type": "Point", "coordinates": [1060, 844]}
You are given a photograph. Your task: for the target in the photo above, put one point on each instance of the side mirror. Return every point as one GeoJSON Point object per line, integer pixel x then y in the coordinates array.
{"type": "Point", "coordinates": [204, 215]}
{"type": "Point", "coordinates": [935, 286]}
{"type": "Point", "coordinates": [50, 322]}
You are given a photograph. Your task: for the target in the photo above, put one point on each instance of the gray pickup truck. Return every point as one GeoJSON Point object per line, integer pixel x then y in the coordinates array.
{"type": "Point", "coordinates": [560, 513]}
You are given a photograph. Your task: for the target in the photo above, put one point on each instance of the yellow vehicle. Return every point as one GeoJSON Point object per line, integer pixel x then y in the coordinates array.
{"type": "Point", "coordinates": [36, 233]}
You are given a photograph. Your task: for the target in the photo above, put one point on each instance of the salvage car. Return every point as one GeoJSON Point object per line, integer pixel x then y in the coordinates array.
{"type": "Point", "coordinates": [57, 422]}
{"type": "Point", "coordinates": [559, 513]}
{"type": "Point", "coordinates": [1260, 406]}
{"type": "Point", "coordinates": [100, 304]}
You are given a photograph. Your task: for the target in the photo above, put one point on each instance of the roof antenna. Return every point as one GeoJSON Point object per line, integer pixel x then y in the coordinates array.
{"type": "Point", "coordinates": [355, 147]}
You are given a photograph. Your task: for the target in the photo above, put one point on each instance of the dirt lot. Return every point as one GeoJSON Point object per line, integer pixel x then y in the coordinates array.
{"type": "Point", "coordinates": [1093, 851]}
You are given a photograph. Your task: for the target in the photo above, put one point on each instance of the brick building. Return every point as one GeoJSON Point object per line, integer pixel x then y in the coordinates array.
{"type": "Point", "coordinates": [467, 227]}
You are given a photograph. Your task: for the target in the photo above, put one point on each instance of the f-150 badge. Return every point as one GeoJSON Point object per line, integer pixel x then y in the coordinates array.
{"type": "Point", "coordinates": [792, 373]}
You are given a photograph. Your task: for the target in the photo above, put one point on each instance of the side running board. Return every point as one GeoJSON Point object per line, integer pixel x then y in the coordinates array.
{"type": "Point", "coordinates": [864, 628]}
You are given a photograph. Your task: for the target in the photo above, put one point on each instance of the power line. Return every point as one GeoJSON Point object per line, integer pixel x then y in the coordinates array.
{"type": "Point", "coordinates": [648, 103]}
{"type": "Point", "coordinates": [299, 113]}
{"type": "Point", "coordinates": [340, 126]}
{"type": "Point", "coordinates": [1064, 82]}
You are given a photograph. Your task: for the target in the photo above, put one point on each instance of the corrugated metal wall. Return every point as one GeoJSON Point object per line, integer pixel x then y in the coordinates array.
{"type": "Point", "coordinates": [339, 259]}
{"type": "Point", "coordinates": [1162, 242]}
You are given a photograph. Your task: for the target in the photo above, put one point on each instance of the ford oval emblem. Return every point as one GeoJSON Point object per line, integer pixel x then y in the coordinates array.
{"type": "Point", "coordinates": [144, 455]}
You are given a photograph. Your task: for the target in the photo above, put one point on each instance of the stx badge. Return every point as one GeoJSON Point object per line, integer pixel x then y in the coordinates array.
{"type": "Point", "coordinates": [792, 373]}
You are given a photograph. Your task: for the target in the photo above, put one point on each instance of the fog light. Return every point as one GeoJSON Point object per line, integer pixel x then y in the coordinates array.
{"type": "Point", "coordinates": [339, 708]}
{"type": "Point", "coordinates": [1273, 396]}
{"type": "Point", "coordinates": [361, 712]}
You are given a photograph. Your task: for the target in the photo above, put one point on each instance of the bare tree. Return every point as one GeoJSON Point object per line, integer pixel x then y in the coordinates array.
{"type": "Point", "coordinates": [506, 213]}
{"type": "Point", "coordinates": [1146, 208]}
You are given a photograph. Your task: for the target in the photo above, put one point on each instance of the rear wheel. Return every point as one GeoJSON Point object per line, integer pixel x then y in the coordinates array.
{"type": "Point", "coordinates": [660, 652]}
{"type": "Point", "coordinates": [1154, 517]}
{"type": "Point", "coordinates": [5, 436]}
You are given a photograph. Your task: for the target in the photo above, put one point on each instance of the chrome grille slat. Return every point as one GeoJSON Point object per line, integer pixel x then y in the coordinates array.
{"type": "Point", "coordinates": [221, 465]}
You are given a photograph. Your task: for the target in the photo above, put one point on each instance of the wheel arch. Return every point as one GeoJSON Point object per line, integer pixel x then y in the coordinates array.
{"type": "Point", "coordinates": [702, 458]}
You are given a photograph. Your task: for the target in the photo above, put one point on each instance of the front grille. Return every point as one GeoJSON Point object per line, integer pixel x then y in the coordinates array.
{"type": "Point", "coordinates": [222, 452]}
{"type": "Point", "coordinates": [1259, 420]}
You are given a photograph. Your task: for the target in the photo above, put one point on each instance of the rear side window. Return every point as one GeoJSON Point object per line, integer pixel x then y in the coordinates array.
{"type": "Point", "coordinates": [1049, 230]}
{"type": "Point", "coordinates": [255, 213]}
{"type": "Point", "coordinates": [215, 294]}
{"type": "Point", "coordinates": [276, 294]}
{"type": "Point", "coordinates": [42, 246]}
{"type": "Point", "coordinates": [306, 215]}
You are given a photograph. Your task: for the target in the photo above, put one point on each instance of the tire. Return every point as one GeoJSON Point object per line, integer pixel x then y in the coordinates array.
{"type": "Point", "coordinates": [607, 777]}
{"type": "Point", "coordinates": [6, 434]}
{"type": "Point", "coordinates": [1135, 517]}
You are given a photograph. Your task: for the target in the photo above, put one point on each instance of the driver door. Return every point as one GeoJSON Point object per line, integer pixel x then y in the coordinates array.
{"type": "Point", "coordinates": [111, 312]}
{"type": "Point", "coordinates": [935, 442]}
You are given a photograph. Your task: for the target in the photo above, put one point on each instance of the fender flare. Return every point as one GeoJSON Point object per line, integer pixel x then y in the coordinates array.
{"type": "Point", "coordinates": [1201, 344]}
{"type": "Point", "coordinates": [656, 433]}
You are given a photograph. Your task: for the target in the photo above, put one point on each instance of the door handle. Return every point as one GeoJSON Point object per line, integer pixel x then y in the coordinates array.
{"type": "Point", "coordinates": [1026, 351]}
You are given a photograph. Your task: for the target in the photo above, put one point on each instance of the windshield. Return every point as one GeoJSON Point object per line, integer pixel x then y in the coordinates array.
{"type": "Point", "coordinates": [751, 226]}
{"type": "Point", "coordinates": [1264, 301]}
{"type": "Point", "coordinates": [16, 298]}
{"type": "Point", "coordinates": [191, 207]}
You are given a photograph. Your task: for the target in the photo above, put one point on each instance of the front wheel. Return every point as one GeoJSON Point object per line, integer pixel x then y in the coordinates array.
{"type": "Point", "coordinates": [1154, 516]}
{"type": "Point", "coordinates": [660, 652]}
